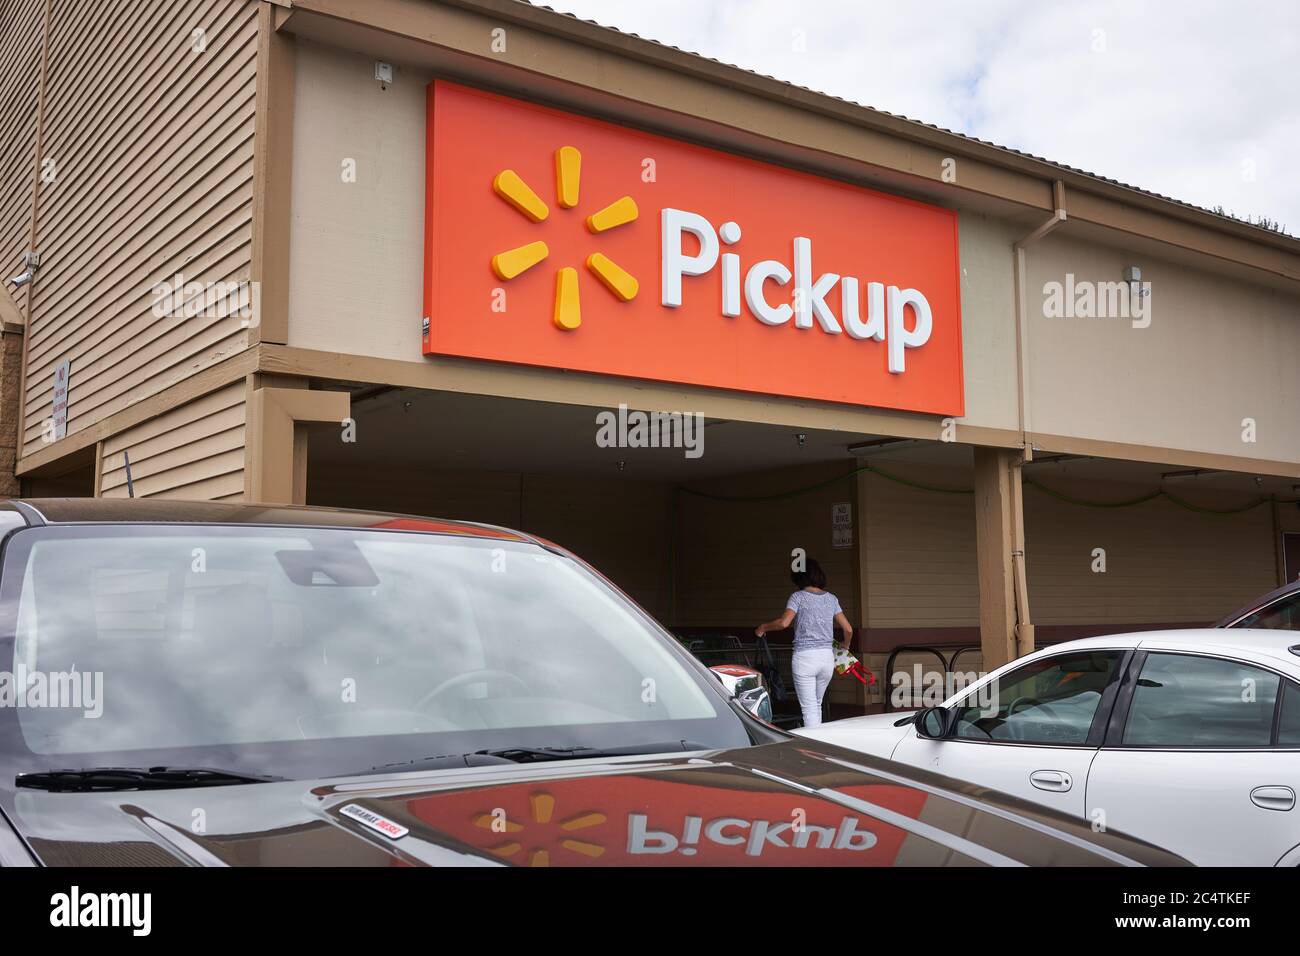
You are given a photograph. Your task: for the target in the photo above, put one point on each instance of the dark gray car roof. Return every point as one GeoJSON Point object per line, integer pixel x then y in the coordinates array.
{"type": "Point", "coordinates": [135, 510]}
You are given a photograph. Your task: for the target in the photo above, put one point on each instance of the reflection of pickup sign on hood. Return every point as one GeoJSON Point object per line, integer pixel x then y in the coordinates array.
{"type": "Point", "coordinates": [796, 803]}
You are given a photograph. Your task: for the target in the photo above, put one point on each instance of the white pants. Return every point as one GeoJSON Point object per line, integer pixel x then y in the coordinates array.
{"type": "Point", "coordinates": [813, 669]}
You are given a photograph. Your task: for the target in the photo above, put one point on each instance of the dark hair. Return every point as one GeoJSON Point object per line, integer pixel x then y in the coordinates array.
{"type": "Point", "coordinates": [811, 577]}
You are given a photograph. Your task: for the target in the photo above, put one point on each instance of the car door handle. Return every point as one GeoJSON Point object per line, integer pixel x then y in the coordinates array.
{"type": "Point", "coordinates": [1057, 780]}
{"type": "Point", "coordinates": [1273, 798]}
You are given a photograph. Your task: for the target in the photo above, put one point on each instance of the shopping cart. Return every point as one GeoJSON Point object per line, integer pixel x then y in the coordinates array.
{"type": "Point", "coordinates": [772, 662]}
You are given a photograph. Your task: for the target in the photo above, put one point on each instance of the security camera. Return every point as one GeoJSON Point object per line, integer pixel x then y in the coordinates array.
{"type": "Point", "coordinates": [32, 260]}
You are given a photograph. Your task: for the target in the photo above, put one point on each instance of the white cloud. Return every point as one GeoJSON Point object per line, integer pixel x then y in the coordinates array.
{"type": "Point", "coordinates": [1195, 99]}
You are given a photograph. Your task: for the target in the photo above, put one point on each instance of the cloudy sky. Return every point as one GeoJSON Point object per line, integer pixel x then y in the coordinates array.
{"type": "Point", "coordinates": [1194, 99]}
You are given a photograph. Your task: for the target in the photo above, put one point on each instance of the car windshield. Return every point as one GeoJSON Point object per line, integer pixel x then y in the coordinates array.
{"type": "Point", "coordinates": [310, 652]}
{"type": "Point", "coordinates": [1282, 614]}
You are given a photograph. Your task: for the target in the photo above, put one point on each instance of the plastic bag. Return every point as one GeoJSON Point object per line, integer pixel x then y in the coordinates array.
{"type": "Point", "coordinates": [847, 664]}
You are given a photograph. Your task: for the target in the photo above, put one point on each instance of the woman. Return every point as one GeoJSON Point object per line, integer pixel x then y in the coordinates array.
{"type": "Point", "coordinates": [814, 611]}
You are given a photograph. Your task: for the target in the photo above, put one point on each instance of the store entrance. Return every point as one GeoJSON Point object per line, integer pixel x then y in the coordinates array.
{"type": "Point", "coordinates": [702, 535]}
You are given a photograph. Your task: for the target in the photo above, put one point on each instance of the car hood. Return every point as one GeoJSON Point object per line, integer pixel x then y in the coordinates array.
{"type": "Point", "coordinates": [797, 802]}
{"type": "Point", "coordinates": [872, 733]}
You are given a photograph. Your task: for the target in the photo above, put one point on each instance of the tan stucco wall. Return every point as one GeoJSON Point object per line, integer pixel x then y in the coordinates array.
{"type": "Point", "coordinates": [988, 319]}
{"type": "Point", "coordinates": [356, 248]}
{"type": "Point", "coordinates": [1218, 350]}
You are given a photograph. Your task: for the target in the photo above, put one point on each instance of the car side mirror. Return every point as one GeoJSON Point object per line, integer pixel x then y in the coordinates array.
{"type": "Point", "coordinates": [746, 685]}
{"type": "Point", "coordinates": [933, 723]}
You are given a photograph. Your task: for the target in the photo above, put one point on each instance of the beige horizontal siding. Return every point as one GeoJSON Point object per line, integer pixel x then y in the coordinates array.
{"type": "Point", "coordinates": [734, 557]}
{"type": "Point", "coordinates": [620, 527]}
{"type": "Point", "coordinates": [195, 451]}
{"type": "Point", "coordinates": [21, 28]}
{"type": "Point", "coordinates": [1164, 563]}
{"type": "Point", "coordinates": [921, 569]}
{"type": "Point", "coordinates": [153, 147]}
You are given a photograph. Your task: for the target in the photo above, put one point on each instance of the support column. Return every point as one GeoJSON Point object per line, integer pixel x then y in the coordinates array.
{"type": "Point", "coordinates": [861, 591]}
{"type": "Point", "coordinates": [275, 469]}
{"type": "Point", "coordinates": [1005, 629]}
{"type": "Point", "coordinates": [272, 176]}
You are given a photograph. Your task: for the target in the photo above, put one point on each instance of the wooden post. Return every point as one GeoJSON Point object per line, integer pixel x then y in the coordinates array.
{"type": "Point", "coordinates": [272, 178]}
{"type": "Point", "coordinates": [995, 540]}
{"type": "Point", "coordinates": [861, 592]}
{"type": "Point", "coordinates": [276, 457]}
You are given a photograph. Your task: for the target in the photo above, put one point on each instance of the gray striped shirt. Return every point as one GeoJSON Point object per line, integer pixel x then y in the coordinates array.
{"type": "Point", "coordinates": [814, 622]}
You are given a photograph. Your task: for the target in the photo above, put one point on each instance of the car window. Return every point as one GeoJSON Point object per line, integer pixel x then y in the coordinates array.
{"type": "Point", "coordinates": [1288, 728]}
{"type": "Point", "coordinates": [1048, 701]}
{"type": "Point", "coordinates": [1183, 700]}
{"type": "Point", "coordinates": [1282, 615]}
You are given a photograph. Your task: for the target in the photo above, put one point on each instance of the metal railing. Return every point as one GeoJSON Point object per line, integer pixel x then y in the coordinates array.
{"type": "Point", "coordinates": [946, 666]}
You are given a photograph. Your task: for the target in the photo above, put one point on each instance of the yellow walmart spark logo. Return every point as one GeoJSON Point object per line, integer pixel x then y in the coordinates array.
{"type": "Point", "coordinates": [542, 835]}
{"type": "Point", "coordinates": [568, 174]}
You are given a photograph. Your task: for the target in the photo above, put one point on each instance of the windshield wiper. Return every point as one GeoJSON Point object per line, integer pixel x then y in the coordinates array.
{"type": "Point", "coordinates": [537, 754]}
{"type": "Point", "coordinates": [507, 755]}
{"type": "Point", "coordinates": [436, 762]}
{"type": "Point", "coordinates": [134, 778]}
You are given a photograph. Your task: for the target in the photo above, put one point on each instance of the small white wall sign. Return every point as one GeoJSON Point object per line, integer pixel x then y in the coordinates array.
{"type": "Point", "coordinates": [62, 372]}
{"type": "Point", "coordinates": [842, 525]}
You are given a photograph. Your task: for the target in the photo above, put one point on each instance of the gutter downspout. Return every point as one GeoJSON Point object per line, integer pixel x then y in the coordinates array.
{"type": "Point", "coordinates": [1024, 625]}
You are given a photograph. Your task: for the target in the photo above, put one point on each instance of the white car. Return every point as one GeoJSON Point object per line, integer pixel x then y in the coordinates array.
{"type": "Point", "coordinates": [1189, 739]}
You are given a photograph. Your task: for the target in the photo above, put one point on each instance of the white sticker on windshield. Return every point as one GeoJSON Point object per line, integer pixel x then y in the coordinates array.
{"type": "Point", "coordinates": [387, 827]}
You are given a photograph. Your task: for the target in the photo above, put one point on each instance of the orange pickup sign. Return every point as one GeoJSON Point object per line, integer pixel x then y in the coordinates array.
{"type": "Point", "coordinates": [561, 241]}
